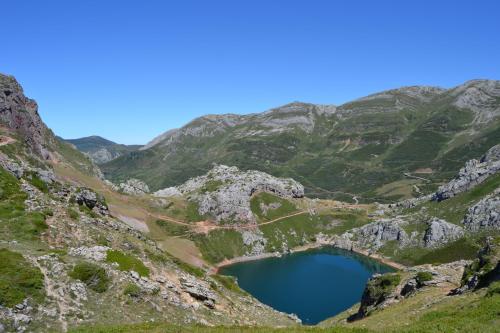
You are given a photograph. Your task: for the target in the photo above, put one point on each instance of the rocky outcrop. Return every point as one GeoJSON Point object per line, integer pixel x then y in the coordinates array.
{"type": "Point", "coordinates": [198, 290]}
{"type": "Point", "coordinates": [473, 173]}
{"type": "Point", "coordinates": [483, 270]}
{"type": "Point", "coordinates": [225, 192]}
{"type": "Point", "coordinates": [133, 187]}
{"type": "Point", "coordinates": [92, 200]}
{"type": "Point", "coordinates": [20, 114]}
{"type": "Point", "coordinates": [96, 253]}
{"type": "Point", "coordinates": [479, 96]}
{"type": "Point", "coordinates": [376, 234]}
{"type": "Point", "coordinates": [485, 214]}
{"type": "Point", "coordinates": [440, 232]}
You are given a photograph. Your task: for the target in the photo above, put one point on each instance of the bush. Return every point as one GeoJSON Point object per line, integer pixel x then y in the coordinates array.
{"type": "Point", "coordinates": [127, 262]}
{"type": "Point", "coordinates": [424, 277]}
{"type": "Point", "coordinates": [18, 279]}
{"type": "Point", "coordinates": [92, 275]}
{"type": "Point", "coordinates": [38, 183]}
{"type": "Point", "coordinates": [493, 289]}
{"type": "Point", "coordinates": [132, 290]}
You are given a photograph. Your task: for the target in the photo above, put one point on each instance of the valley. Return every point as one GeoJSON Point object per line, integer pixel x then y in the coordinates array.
{"type": "Point", "coordinates": [143, 245]}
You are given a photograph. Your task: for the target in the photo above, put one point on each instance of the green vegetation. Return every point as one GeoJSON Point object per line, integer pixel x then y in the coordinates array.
{"type": "Point", "coordinates": [480, 315]}
{"type": "Point", "coordinates": [127, 262]}
{"type": "Point", "coordinates": [172, 229]}
{"type": "Point", "coordinates": [19, 279]}
{"type": "Point", "coordinates": [220, 244]}
{"type": "Point", "coordinates": [424, 277]}
{"type": "Point", "coordinates": [15, 222]}
{"type": "Point", "coordinates": [132, 290]}
{"type": "Point", "coordinates": [73, 214]}
{"type": "Point", "coordinates": [274, 206]}
{"type": "Point", "coordinates": [463, 248]}
{"type": "Point", "coordinates": [166, 257]}
{"type": "Point", "coordinates": [380, 287]}
{"type": "Point", "coordinates": [170, 328]}
{"type": "Point", "coordinates": [38, 183]}
{"type": "Point", "coordinates": [454, 209]}
{"type": "Point", "coordinates": [192, 213]}
{"type": "Point", "coordinates": [211, 186]}
{"type": "Point", "coordinates": [92, 275]}
{"type": "Point", "coordinates": [299, 229]}
{"type": "Point", "coordinates": [230, 283]}
{"type": "Point", "coordinates": [353, 154]}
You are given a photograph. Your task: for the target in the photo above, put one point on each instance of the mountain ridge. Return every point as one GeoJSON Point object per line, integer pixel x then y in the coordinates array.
{"type": "Point", "coordinates": [381, 136]}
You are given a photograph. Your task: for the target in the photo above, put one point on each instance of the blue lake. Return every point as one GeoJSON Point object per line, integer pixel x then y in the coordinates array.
{"type": "Point", "coordinates": [315, 284]}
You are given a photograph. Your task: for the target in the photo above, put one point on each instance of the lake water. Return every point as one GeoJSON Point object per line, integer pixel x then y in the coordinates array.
{"type": "Point", "coordinates": [315, 284]}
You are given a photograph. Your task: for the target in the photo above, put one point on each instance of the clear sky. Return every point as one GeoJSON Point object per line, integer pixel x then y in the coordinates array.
{"type": "Point", "coordinates": [129, 70]}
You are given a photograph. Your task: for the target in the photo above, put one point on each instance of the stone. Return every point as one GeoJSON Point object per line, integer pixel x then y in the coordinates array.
{"type": "Point", "coordinates": [97, 253]}
{"type": "Point", "coordinates": [485, 214]}
{"type": "Point", "coordinates": [376, 234]}
{"type": "Point", "coordinates": [134, 187]}
{"type": "Point", "coordinates": [440, 232]}
{"type": "Point", "coordinates": [198, 290]}
{"type": "Point", "coordinates": [409, 288]}
{"type": "Point", "coordinates": [473, 173]}
{"type": "Point", "coordinates": [94, 201]}
{"type": "Point", "coordinates": [229, 199]}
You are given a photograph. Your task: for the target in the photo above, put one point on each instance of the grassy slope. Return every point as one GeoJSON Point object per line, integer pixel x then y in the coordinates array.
{"type": "Point", "coordinates": [353, 154]}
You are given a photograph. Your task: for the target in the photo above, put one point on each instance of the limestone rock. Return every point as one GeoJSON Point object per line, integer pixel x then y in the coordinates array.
{"type": "Point", "coordinates": [485, 214]}
{"type": "Point", "coordinates": [198, 290]}
{"type": "Point", "coordinates": [94, 201]}
{"type": "Point", "coordinates": [376, 234]}
{"type": "Point", "coordinates": [134, 187]}
{"type": "Point", "coordinates": [440, 232]}
{"type": "Point", "coordinates": [225, 192]}
{"type": "Point", "coordinates": [473, 173]}
{"type": "Point", "coordinates": [97, 253]}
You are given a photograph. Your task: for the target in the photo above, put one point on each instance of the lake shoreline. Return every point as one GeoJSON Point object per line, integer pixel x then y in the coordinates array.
{"type": "Point", "coordinates": [227, 262]}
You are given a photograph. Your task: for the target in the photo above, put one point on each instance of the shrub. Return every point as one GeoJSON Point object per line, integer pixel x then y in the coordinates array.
{"type": "Point", "coordinates": [423, 277]}
{"type": "Point", "coordinates": [132, 290]}
{"type": "Point", "coordinates": [92, 275]}
{"type": "Point", "coordinates": [38, 183]}
{"type": "Point", "coordinates": [127, 262]}
{"type": "Point", "coordinates": [18, 279]}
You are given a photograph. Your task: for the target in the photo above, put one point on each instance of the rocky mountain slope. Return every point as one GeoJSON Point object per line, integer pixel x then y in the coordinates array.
{"type": "Point", "coordinates": [69, 257]}
{"type": "Point", "coordinates": [101, 150]}
{"type": "Point", "coordinates": [388, 146]}
{"type": "Point", "coordinates": [77, 251]}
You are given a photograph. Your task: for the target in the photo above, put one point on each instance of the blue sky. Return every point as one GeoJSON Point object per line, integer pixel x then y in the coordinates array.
{"type": "Point", "coordinates": [129, 70]}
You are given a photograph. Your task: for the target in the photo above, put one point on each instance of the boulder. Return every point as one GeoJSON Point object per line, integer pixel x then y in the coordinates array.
{"type": "Point", "coordinates": [376, 234]}
{"type": "Point", "coordinates": [440, 232]}
{"type": "Point", "coordinates": [198, 290]}
{"type": "Point", "coordinates": [134, 187]}
{"type": "Point", "coordinates": [485, 214]}
{"type": "Point", "coordinates": [94, 201]}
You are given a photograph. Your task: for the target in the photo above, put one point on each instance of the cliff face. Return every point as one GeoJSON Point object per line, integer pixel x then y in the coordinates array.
{"type": "Point", "coordinates": [20, 114]}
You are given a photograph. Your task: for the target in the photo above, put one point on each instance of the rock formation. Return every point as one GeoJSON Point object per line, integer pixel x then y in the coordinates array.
{"type": "Point", "coordinates": [484, 214]}
{"type": "Point", "coordinates": [440, 232]}
{"type": "Point", "coordinates": [225, 192]}
{"type": "Point", "coordinates": [20, 114]}
{"type": "Point", "coordinates": [473, 173]}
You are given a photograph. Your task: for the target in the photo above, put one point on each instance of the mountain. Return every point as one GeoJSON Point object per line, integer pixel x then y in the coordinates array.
{"type": "Point", "coordinates": [387, 146]}
{"type": "Point", "coordinates": [73, 251]}
{"type": "Point", "coordinates": [100, 149]}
